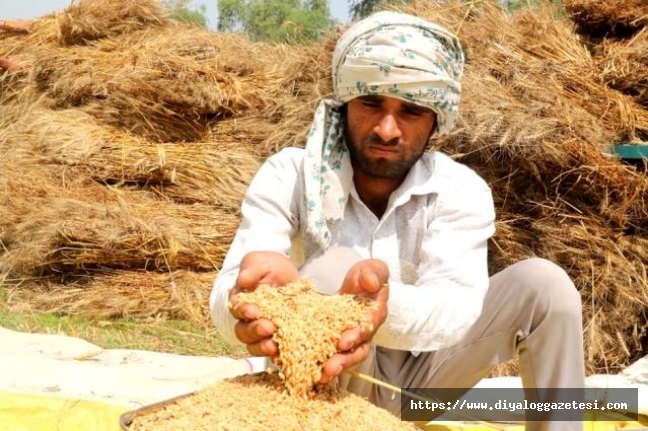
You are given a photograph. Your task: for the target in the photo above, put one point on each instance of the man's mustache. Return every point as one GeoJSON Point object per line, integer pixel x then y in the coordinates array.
{"type": "Point", "coordinates": [377, 140]}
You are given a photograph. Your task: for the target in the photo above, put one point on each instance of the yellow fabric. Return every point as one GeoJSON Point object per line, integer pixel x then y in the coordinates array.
{"type": "Point", "coordinates": [20, 412]}
{"type": "Point", "coordinates": [619, 425]}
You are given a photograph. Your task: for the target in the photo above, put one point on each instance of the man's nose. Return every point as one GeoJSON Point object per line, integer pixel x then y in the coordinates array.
{"type": "Point", "coordinates": [388, 128]}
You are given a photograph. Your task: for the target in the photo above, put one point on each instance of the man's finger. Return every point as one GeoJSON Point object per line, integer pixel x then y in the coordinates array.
{"type": "Point", "coordinates": [244, 310]}
{"type": "Point", "coordinates": [250, 276]}
{"type": "Point", "coordinates": [265, 347]}
{"type": "Point", "coordinates": [367, 276]}
{"type": "Point", "coordinates": [350, 339]}
{"type": "Point", "coordinates": [254, 331]}
{"type": "Point", "coordinates": [342, 361]}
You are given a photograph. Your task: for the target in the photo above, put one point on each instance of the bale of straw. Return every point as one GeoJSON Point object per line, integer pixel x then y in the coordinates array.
{"type": "Point", "coordinates": [88, 20]}
{"type": "Point", "coordinates": [206, 172]}
{"type": "Point", "coordinates": [256, 402]}
{"type": "Point", "coordinates": [89, 227]}
{"type": "Point", "coordinates": [309, 325]}
{"type": "Point", "coordinates": [176, 294]}
{"type": "Point", "coordinates": [166, 84]}
{"type": "Point", "coordinates": [200, 173]}
{"type": "Point", "coordinates": [600, 18]}
{"type": "Point", "coordinates": [609, 269]}
{"type": "Point", "coordinates": [623, 66]}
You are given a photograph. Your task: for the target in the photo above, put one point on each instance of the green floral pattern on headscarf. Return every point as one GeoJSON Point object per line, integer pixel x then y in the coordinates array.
{"type": "Point", "coordinates": [390, 54]}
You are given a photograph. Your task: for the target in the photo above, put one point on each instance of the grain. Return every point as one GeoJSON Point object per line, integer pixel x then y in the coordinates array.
{"type": "Point", "coordinates": [258, 402]}
{"type": "Point", "coordinates": [309, 325]}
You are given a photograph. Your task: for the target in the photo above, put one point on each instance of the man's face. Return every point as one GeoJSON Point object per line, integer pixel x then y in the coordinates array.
{"type": "Point", "coordinates": [386, 136]}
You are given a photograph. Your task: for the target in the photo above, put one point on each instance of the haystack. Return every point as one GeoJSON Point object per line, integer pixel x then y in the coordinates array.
{"type": "Point", "coordinates": [52, 227]}
{"type": "Point", "coordinates": [602, 18]}
{"type": "Point", "coordinates": [171, 119]}
{"type": "Point", "coordinates": [623, 65]}
{"type": "Point", "coordinates": [86, 21]}
{"type": "Point", "coordinates": [75, 142]}
{"type": "Point", "coordinates": [179, 294]}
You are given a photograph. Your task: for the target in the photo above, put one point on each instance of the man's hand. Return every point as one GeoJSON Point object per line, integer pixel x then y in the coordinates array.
{"type": "Point", "coordinates": [259, 267]}
{"type": "Point", "coordinates": [16, 25]}
{"type": "Point", "coordinates": [9, 65]}
{"type": "Point", "coordinates": [370, 278]}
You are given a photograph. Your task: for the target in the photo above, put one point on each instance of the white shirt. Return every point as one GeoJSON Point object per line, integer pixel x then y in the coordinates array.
{"type": "Point", "coordinates": [433, 237]}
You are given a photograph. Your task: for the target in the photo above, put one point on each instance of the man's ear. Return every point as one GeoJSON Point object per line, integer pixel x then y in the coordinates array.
{"type": "Point", "coordinates": [343, 110]}
{"type": "Point", "coordinates": [435, 125]}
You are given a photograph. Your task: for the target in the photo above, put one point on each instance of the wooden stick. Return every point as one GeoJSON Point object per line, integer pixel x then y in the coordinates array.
{"type": "Point", "coordinates": [412, 395]}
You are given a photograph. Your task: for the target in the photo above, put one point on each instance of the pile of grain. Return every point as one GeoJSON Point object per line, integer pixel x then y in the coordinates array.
{"type": "Point", "coordinates": [308, 325]}
{"type": "Point", "coordinates": [256, 402]}
{"type": "Point", "coordinates": [135, 137]}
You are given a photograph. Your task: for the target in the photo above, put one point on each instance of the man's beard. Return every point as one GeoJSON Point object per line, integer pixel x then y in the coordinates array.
{"type": "Point", "coordinates": [379, 167]}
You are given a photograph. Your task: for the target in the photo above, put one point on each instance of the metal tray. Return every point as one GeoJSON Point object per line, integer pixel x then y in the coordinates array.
{"type": "Point", "coordinates": [126, 419]}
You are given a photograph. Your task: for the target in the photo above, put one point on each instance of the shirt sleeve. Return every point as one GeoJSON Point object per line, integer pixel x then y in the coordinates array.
{"type": "Point", "coordinates": [446, 300]}
{"type": "Point", "coordinates": [268, 223]}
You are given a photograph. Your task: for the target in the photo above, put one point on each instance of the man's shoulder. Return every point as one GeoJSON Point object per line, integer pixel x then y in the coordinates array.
{"type": "Point", "coordinates": [288, 154]}
{"type": "Point", "coordinates": [444, 168]}
{"type": "Point", "coordinates": [286, 158]}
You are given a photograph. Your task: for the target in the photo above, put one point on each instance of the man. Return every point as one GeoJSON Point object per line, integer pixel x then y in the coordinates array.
{"type": "Point", "coordinates": [406, 227]}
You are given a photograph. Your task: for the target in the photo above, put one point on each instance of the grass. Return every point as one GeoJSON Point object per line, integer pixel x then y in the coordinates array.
{"type": "Point", "coordinates": [171, 336]}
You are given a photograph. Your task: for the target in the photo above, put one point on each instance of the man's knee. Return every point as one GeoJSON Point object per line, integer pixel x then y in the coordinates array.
{"type": "Point", "coordinates": [547, 282]}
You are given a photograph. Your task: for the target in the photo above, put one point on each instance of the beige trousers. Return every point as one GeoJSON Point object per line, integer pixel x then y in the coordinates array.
{"type": "Point", "coordinates": [531, 310]}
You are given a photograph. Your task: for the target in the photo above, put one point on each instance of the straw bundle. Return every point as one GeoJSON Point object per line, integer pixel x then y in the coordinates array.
{"type": "Point", "coordinates": [262, 137]}
{"type": "Point", "coordinates": [177, 294]}
{"type": "Point", "coordinates": [166, 84]}
{"type": "Point", "coordinates": [87, 226]}
{"type": "Point", "coordinates": [308, 325]}
{"type": "Point", "coordinates": [89, 20]}
{"type": "Point", "coordinates": [599, 18]}
{"type": "Point", "coordinates": [623, 66]}
{"type": "Point", "coordinates": [74, 141]}
{"type": "Point", "coordinates": [305, 77]}
{"type": "Point", "coordinates": [187, 174]}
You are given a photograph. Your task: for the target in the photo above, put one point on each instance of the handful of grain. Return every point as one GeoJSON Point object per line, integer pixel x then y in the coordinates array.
{"type": "Point", "coordinates": [309, 325]}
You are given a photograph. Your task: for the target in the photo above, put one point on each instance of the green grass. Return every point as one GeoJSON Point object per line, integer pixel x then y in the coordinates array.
{"type": "Point", "coordinates": [172, 336]}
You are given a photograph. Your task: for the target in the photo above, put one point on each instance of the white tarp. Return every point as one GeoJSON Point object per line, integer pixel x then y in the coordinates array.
{"type": "Point", "coordinates": [69, 367]}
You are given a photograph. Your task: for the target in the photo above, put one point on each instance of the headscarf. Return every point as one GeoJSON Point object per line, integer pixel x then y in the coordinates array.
{"type": "Point", "coordinates": [390, 54]}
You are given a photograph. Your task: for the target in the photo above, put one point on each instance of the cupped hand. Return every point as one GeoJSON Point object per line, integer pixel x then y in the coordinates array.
{"type": "Point", "coordinates": [259, 267]}
{"type": "Point", "coordinates": [369, 278]}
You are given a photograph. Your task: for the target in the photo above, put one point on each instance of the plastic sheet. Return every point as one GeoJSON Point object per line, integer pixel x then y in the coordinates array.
{"type": "Point", "coordinates": [19, 412]}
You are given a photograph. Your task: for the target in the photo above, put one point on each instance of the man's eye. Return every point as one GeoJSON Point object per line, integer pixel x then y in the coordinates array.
{"type": "Point", "coordinates": [370, 103]}
{"type": "Point", "coordinates": [413, 112]}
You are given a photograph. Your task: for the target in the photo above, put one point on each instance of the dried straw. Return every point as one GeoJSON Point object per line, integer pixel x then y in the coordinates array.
{"type": "Point", "coordinates": [83, 225]}
{"type": "Point", "coordinates": [204, 173]}
{"type": "Point", "coordinates": [89, 20]}
{"type": "Point", "coordinates": [599, 18]}
{"type": "Point", "coordinates": [623, 66]}
{"type": "Point", "coordinates": [177, 294]}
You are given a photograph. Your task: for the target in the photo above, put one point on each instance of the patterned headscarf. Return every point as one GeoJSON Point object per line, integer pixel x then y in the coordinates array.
{"type": "Point", "coordinates": [390, 54]}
